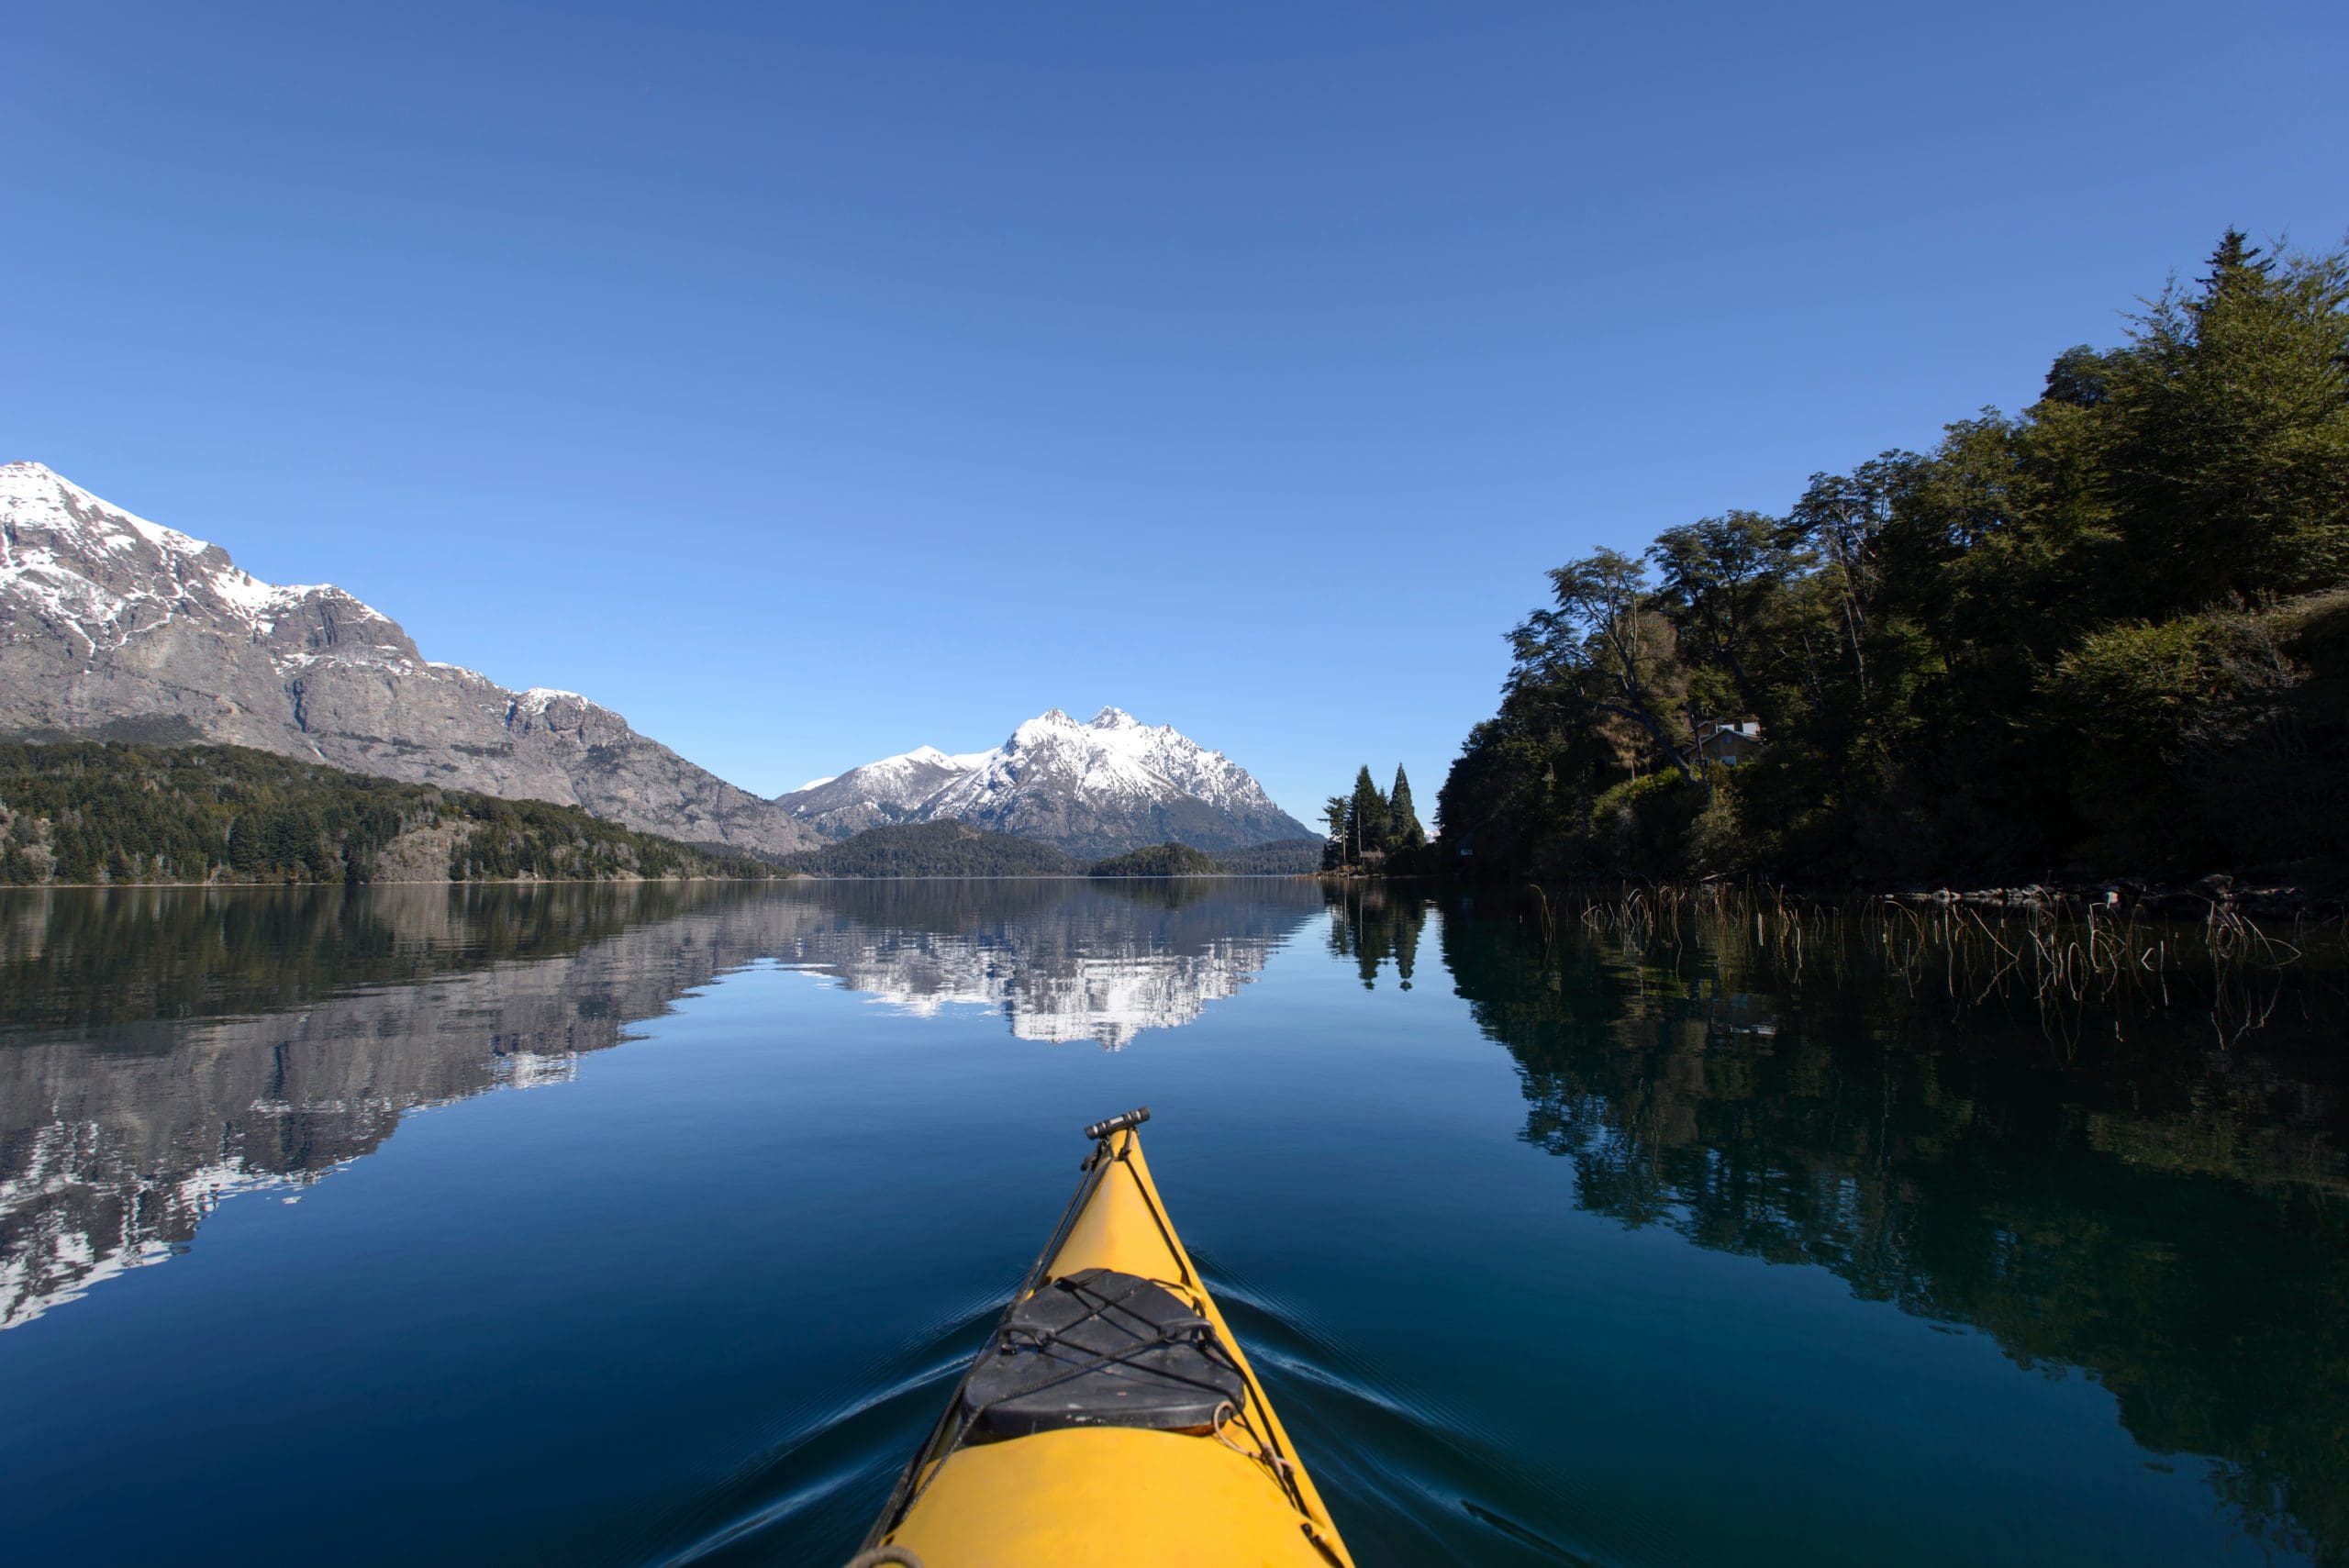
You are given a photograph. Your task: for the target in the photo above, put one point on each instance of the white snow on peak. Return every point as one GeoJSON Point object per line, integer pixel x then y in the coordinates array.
{"type": "Point", "coordinates": [74, 563]}
{"type": "Point", "coordinates": [39, 483]}
{"type": "Point", "coordinates": [537, 699]}
{"type": "Point", "coordinates": [903, 764]}
{"type": "Point", "coordinates": [88, 566]}
{"type": "Point", "coordinates": [1044, 727]}
{"type": "Point", "coordinates": [1114, 760]}
{"type": "Point", "coordinates": [892, 784]}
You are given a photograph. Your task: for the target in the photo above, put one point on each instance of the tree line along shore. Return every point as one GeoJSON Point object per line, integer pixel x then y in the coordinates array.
{"type": "Point", "coordinates": [2105, 637]}
{"type": "Point", "coordinates": [111, 813]}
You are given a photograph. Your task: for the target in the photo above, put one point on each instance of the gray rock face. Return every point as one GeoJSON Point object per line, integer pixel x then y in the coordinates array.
{"type": "Point", "coordinates": [115, 627]}
{"type": "Point", "coordinates": [1093, 789]}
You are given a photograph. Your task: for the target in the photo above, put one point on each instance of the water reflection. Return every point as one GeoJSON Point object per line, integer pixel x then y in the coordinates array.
{"type": "Point", "coordinates": [162, 1049]}
{"type": "Point", "coordinates": [1059, 962]}
{"type": "Point", "coordinates": [2123, 1195]}
{"type": "Point", "coordinates": [2126, 1192]}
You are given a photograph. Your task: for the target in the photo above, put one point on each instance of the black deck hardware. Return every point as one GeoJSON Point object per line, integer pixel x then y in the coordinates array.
{"type": "Point", "coordinates": [1119, 1123]}
{"type": "Point", "coordinates": [1098, 1348]}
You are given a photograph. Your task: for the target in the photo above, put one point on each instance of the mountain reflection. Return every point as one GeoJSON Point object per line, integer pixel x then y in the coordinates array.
{"type": "Point", "coordinates": [1061, 961]}
{"type": "Point", "coordinates": [163, 1049]}
{"type": "Point", "coordinates": [2116, 1194]}
{"type": "Point", "coordinates": [2155, 1197]}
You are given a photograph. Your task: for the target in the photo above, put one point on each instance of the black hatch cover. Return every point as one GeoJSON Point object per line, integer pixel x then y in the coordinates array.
{"type": "Point", "coordinates": [1101, 1349]}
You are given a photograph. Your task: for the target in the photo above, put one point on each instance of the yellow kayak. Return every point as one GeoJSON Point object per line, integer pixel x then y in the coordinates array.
{"type": "Point", "coordinates": [1111, 1419]}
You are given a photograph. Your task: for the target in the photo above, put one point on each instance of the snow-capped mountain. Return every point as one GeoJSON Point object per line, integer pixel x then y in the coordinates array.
{"type": "Point", "coordinates": [1099, 788]}
{"type": "Point", "coordinates": [891, 790]}
{"type": "Point", "coordinates": [115, 627]}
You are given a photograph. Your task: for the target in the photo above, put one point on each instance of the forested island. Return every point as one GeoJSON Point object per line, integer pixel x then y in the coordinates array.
{"type": "Point", "coordinates": [952, 848]}
{"type": "Point", "coordinates": [1160, 859]}
{"type": "Point", "coordinates": [78, 812]}
{"type": "Point", "coordinates": [2107, 637]}
{"type": "Point", "coordinates": [1373, 829]}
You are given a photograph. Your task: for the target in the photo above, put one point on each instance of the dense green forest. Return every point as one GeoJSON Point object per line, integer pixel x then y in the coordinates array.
{"type": "Point", "coordinates": [2107, 635]}
{"type": "Point", "coordinates": [107, 812]}
{"type": "Point", "coordinates": [1160, 859]}
{"type": "Point", "coordinates": [956, 849]}
{"type": "Point", "coordinates": [1275, 857]}
{"type": "Point", "coordinates": [933, 848]}
{"type": "Point", "coordinates": [1375, 829]}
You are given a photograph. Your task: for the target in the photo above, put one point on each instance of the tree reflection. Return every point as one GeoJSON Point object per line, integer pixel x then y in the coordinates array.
{"type": "Point", "coordinates": [1376, 927]}
{"type": "Point", "coordinates": [2122, 1196]}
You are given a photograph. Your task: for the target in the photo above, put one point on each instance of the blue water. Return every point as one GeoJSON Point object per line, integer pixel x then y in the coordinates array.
{"type": "Point", "coordinates": [637, 1228]}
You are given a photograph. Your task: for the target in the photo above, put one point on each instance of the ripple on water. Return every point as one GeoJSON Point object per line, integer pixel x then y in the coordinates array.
{"type": "Point", "coordinates": [814, 1482]}
{"type": "Point", "coordinates": [1409, 1479]}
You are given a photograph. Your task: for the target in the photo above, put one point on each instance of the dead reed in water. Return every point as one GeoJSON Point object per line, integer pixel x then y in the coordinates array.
{"type": "Point", "coordinates": [2065, 956]}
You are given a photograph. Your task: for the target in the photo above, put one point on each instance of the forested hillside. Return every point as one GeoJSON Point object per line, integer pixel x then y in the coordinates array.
{"type": "Point", "coordinates": [91, 812]}
{"type": "Point", "coordinates": [1160, 859]}
{"type": "Point", "coordinates": [952, 848]}
{"type": "Point", "coordinates": [933, 848]}
{"type": "Point", "coordinates": [1276, 857]}
{"type": "Point", "coordinates": [2107, 635]}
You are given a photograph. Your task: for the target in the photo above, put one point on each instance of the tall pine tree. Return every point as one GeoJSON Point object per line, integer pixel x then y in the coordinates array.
{"type": "Point", "coordinates": [1338, 849]}
{"type": "Point", "coordinates": [1404, 831]}
{"type": "Point", "coordinates": [2229, 432]}
{"type": "Point", "coordinates": [1367, 816]}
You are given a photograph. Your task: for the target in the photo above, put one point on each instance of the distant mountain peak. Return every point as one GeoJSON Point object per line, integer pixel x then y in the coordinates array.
{"type": "Point", "coordinates": [116, 627]}
{"type": "Point", "coordinates": [1103, 787]}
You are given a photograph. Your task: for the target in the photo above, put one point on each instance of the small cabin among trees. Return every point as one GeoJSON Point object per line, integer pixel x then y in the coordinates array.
{"type": "Point", "coordinates": [1728, 741]}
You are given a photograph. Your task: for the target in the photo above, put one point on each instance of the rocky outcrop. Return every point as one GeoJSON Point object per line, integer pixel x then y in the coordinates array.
{"type": "Point", "coordinates": [115, 627]}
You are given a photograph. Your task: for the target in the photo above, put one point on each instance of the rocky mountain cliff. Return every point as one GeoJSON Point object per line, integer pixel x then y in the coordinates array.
{"type": "Point", "coordinates": [1093, 789]}
{"type": "Point", "coordinates": [115, 627]}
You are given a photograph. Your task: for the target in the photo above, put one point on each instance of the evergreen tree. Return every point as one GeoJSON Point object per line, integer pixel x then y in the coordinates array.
{"type": "Point", "coordinates": [1404, 832]}
{"type": "Point", "coordinates": [2230, 457]}
{"type": "Point", "coordinates": [1337, 848]}
{"type": "Point", "coordinates": [244, 846]}
{"type": "Point", "coordinates": [1368, 816]}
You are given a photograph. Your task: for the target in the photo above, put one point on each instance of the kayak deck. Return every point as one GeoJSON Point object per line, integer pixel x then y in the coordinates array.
{"type": "Point", "coordinates": [1089, 1478]}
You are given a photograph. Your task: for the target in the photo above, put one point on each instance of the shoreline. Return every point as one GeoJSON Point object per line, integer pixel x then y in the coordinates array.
{"type": "Point", "coordinates": [399, 881]}
{"type": "Point", "coordinates": [620, 880]}
{"type": "Point", "coordinates": [2119, 896]}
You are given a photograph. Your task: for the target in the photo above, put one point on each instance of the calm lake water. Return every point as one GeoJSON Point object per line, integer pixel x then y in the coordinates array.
{"type": "Point", "coordinates": [636, 1226]}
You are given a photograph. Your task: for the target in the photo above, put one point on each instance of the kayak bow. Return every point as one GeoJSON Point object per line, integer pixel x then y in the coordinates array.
{"type": "Point", "coordinates": [1112, 1417]}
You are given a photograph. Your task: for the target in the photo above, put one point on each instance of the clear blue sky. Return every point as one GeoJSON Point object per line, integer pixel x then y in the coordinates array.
{"type": "Point", "coordinates": [813, 382]}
